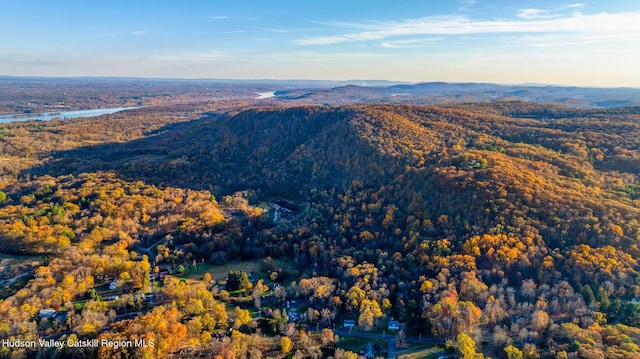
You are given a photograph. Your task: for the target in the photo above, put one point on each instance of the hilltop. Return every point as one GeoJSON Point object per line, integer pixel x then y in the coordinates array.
{"type": "Point", "coordinates": [494, 220]}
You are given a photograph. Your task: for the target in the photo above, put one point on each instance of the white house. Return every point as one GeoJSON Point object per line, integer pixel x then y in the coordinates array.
{"type": "Point", "coordinates": [47, 313]}
{"type": "Point", "coordinates": [394, 325]}
{"type": "Point", "coordinates": [349, 324]}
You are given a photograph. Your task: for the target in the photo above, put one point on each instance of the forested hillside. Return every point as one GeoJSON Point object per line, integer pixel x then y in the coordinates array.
{"type": "Point", "coordinates": [509, 227]}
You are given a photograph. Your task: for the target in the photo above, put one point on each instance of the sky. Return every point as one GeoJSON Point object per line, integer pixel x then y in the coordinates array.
{"type": "Point", "coordinates": [586, 43]}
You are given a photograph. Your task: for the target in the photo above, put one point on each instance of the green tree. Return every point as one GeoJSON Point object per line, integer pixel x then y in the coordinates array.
{"type": "Point", "coordinates": [237, 280]}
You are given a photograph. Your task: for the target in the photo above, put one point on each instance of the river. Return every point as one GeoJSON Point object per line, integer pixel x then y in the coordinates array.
{"type": "Point", "coordinates": [63, 115]}
{"type": "Point", "coordinates": [263, 95]}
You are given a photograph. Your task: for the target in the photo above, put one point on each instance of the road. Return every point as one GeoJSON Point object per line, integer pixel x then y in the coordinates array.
{"type": "Point", "coordinates": [148, 252]}
{"type": "Point", "coordinates": [148, 249]}
{"type": "Point", "coordinates": [12, 281]}
{"type": "Point", "coordinates": [391, 351]}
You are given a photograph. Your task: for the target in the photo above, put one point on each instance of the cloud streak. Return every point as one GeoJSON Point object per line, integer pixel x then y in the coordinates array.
{"type": "Point", "coordinates": [530, 21]}
{"type": "Point", "coordinates": [467, 5]}
{"type": "Point", "coordinates": [530, 14]}
{"type": "Point", "coordinates": [533, 13]}
{"type": "Point", "coordinates": [411, 43]}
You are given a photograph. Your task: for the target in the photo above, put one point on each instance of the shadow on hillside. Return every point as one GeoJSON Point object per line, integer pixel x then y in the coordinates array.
{"type": "Point", "coordinates": [159, 158]}
{"type": "Point", "coordinates": [280, 152]}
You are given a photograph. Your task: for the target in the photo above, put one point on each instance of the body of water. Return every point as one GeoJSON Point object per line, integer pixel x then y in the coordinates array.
{"type": "Point", "coordinates": [63, 115]}
{"type": "Point", "coordinates": [263, 95]}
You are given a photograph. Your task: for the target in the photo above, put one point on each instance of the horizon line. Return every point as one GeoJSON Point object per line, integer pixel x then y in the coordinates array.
{"type": "Point", "coordinates": [267, 80]}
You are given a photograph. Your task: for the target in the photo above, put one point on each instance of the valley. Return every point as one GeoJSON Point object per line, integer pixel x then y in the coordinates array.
{"type": "Point", "coordinates": [214, 222]}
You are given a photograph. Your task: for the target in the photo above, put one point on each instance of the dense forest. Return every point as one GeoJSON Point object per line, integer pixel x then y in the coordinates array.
{"type": "Point", "coordinates": [506, 230]}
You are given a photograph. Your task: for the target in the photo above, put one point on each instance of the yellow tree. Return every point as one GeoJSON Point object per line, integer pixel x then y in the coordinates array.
{"type": "Point", "coordinates": [513, 352]}
{"type": "Point", "coordinates": [466, 346]}
{"type": "Point", "coordinates": [285, 345]}
{"type": "Point", "coordinates": [369, 311]}
{"type": "Point", "coordinates": [242, 317]}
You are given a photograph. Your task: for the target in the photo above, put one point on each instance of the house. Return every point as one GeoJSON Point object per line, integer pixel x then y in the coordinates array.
{"type": "Point", "coordinates": [349, 324]}
{"type": "Point", "coordinates": [394, 325]}
{"type": "Point", "coordinates": [47, 313]}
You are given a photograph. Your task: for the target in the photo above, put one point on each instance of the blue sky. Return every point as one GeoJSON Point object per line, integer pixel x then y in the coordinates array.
{"type": "Point", "coordinates": [537, 41]}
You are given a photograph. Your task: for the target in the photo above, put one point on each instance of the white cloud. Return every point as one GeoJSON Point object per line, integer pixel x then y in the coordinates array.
{"type": "Point", "coordinates": [466, 4]}
{"type": "Point", "coordinates": [222, 17]}
{"type": "Point", "coordinates": [620, 24]}
{"type": "Point", "coordinates": [579, 39]}
{"type": "Point", "coordinates": [139, 33]}
{"type": "Point", "coordinates": [530, 14]}
{"type": "Point", "coordinates": [411, 43]}
{"type": "Point", "coordinates": [277, 31]}
{"type": "Point", "coordinates": [533, 13]}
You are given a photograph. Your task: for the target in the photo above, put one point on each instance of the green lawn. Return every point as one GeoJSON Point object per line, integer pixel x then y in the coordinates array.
{"type": "Point", "coordinates": [220, 272]}
{"type": "Point", "coordinates": [421, 352]}
{"type": "Point", "coordinates": [357, 344]}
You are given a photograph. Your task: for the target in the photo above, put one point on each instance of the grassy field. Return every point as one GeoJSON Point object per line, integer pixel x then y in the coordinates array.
{"type": "Point", "coordinates": [220, 272]}
{"type": "Point", "coordinates": [421, 352]}
{"type": "Point", "coordinates": [357, 344]}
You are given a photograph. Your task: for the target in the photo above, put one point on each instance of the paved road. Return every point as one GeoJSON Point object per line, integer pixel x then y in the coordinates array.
{"type": "Point", "coordinates": [391, 352]}
{"type": "Point", "coordinates": [13, 280]}
{"type": "Point", "coordinates": [148, 249]}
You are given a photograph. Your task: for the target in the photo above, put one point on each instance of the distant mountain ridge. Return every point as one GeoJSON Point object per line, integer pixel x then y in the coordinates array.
{"type": "Point", "coordinates": [26, 95]}
{"type": "Point", "coordinates": [444, 92]}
